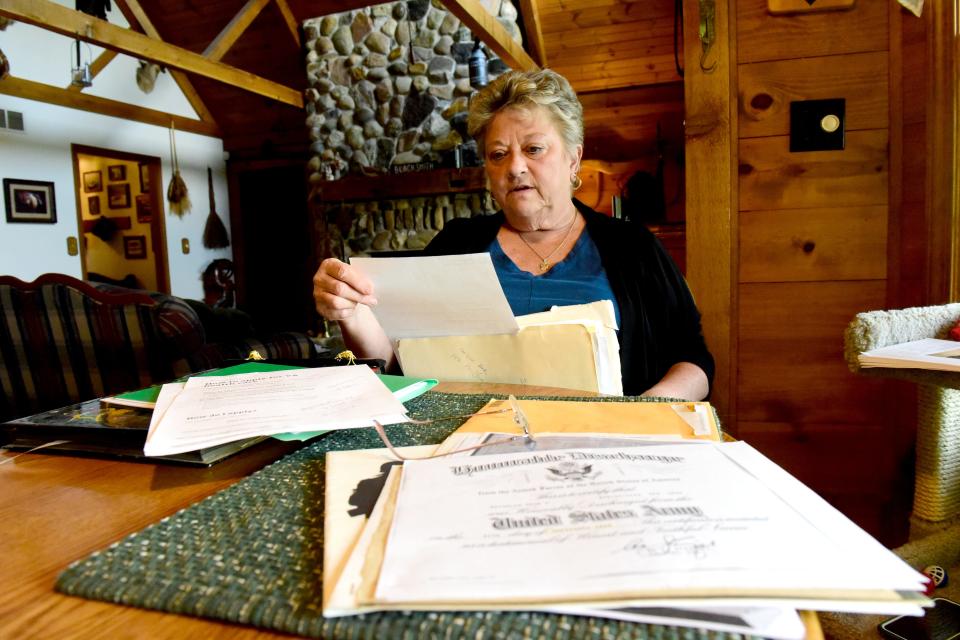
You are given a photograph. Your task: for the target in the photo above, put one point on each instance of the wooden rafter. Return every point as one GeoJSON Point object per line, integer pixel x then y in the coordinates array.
{"type": "Point", "coordinates": [74, 24]}
{"type": "Point", "coordinates": [96, 67]}
{"type": "Point", "coordinates": [531, 24]}
{"type": "Point", "coordinates": [234, 29]}
{"type": "Point", "coordinates": [139, 21]}
{"type": "Point", "coordinates": [488, 28]}
{"type": "Point", "coordinates": [290, 20]}
{"type": "Point", "coordinates": [30, 90]}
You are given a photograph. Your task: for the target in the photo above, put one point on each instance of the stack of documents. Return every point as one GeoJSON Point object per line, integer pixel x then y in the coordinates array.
{"type": "Point", "coordinates": [939, 355]}
{"type": "Point", "coordinates": [448, 319]}
{"type": "Point", "coordinates": [205, 411]}
{"type": "Point", "coordinates": [614, 529]}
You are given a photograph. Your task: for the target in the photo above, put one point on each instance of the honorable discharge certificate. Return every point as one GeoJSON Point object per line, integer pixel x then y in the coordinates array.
{"type": "Point", "coordinates": [621, 523]}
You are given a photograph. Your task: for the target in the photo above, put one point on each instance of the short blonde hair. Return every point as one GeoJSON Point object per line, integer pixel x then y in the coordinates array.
{"type": "Point", "coordinates": [526, 89]}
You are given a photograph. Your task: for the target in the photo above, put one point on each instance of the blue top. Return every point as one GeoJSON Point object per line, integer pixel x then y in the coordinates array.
{"type": "Point", "coordinates": [578, 279]}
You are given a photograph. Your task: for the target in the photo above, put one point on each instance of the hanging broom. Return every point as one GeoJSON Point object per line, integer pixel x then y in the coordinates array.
{"type": "Point", "coordinates": [214, 233]}
{"type": "Point", "coordinates": [177, 194]}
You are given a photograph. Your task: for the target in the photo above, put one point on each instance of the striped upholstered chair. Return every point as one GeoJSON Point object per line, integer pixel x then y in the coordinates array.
{"type": "Point", "coordinates": [63, 341]}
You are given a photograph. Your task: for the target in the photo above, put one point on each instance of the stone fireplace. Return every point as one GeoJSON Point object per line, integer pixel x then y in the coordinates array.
{"type": "Point", "coordinates": [389, 86]}
{"type": "Point", "coordinates": [388, 92]}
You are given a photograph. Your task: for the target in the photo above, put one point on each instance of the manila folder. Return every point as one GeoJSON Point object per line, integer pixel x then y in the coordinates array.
{"type": "Point", "coordinates": [555, 355]}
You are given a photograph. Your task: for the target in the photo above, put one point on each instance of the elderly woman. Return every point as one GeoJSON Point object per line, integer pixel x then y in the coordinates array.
{"type": "Point", "coordinates": [548, 248]}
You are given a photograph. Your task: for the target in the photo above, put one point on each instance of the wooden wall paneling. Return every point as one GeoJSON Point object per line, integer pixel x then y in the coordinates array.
{"type": "Point", "coordinates": [819, 455]}
{"type": "Point", "coordinates": [913, 67]}
{"type": "Point", "coordinates": [794, 245]}
{"type": "Point", "coordinates": [773, 178]}
{"type": "Point", "coordinates": [613, 73]}
{"type": "Point", "coordinates": [629, 131]}
{"type": "Point", "coordinates": [791, 365]}
{"type": "Point", "coordinates": [767, 88]}
{"type": "Point", "coordinates": [644, 60]}
{"type": "Point", "coordinates": [711, 193]}
{"type": "Point", "coordinates": [761, 36]}
{"type": "Point", "coordinates": [895, 229]}
{"type": "Point", "coordinates": [825, 456]}
{"type": "Point", "coordinates": [943, 157]}
{"type": "Point", "coordinates": [651, 36]}
{"type": "Point", "coordinates": [573, 15]}
{"type": "Point", "coordinates": [911, 72]}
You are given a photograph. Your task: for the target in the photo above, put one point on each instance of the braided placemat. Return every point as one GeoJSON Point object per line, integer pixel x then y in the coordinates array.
{"type": "Point", "coordinates": [253, 554]}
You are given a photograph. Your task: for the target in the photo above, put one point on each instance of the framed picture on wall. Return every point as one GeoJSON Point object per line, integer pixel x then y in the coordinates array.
{"type": "Point", "coordinates": [144, 208]}
{"type": "Point", "coordinates": [144, 178]}
{"type": "Point", "coordinates": [118, 195]}
{"type": "Point", "coordinates": [135, 247]}
{"type": "Point", "coordinates": [93, 205]}
{"type": "Point", "coordinates": [92, 181]}
{"type": "Point", "coordinates": [29, 201]}
{"type": "Point", "coordinates": [116, 172]}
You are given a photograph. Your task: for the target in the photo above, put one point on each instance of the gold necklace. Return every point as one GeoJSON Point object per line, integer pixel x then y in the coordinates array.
{"type": "Point", "coordinates": [545, 260]}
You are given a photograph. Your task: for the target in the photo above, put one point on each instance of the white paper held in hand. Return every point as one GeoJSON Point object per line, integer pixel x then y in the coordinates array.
{"type": "Point", "coordinates": [208, 411]}
{"type": "Point", "coordinates": [433, 296]}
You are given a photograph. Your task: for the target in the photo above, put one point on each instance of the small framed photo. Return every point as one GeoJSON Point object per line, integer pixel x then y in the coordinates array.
{"type": "Point", "coordinates": [135, 247]}
{"type": "Point", "coordinates": [29, 201]}
{"type": "Point", "coordinates": [144, 208]}
{"type": "Point", "coordinates": [117, 172]}
{"type": "Point", "coordinates": [118, 195]}
{"type": "Point", "coordinates": [92, 181]}
{"type": "Point", "coordinates": [144, 178]}
{"type": "Point", "coordinates": [93, 205]}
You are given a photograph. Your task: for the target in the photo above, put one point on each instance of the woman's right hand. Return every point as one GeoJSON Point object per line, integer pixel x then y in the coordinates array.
{"type": "Point", "coordinates": [338, 289]}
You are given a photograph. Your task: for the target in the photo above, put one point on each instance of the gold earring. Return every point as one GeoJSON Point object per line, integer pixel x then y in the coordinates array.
{"type": "Point", "coordinates": [576, 181]}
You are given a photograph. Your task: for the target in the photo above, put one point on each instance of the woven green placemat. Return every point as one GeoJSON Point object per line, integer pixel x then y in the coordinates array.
{"type": "Point", "coordinates": [253, 554]}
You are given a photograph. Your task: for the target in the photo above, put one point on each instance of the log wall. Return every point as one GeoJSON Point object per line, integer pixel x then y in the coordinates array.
{"type": "Point", "coordinates": [822, 236]}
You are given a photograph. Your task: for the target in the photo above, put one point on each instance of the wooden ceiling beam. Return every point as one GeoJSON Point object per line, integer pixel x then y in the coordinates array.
{"type": "Point", "coordinates": [290, 20]}
{"type": "Point", "coordinates": [531, 24]}
{"type": "Point", "coordinates": [74, 24]}
{"type": "Point", "coordinates": [96, 67]}
{"type": "Point", "coordinates": [30, 90]}
{"type": "Point", "coordinates": [488, 28]}
{"type": "Point", "coordinates": [234, 29]}
{"type": "Point", "coordinates": [139, 21]}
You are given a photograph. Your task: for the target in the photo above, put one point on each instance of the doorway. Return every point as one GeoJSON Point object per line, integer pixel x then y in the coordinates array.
{"type": "Point", "coordinates": [120, 218]}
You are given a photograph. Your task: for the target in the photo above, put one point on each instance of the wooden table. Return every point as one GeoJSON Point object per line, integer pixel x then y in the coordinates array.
{"type": "Point", "coordinates": [57, 509]}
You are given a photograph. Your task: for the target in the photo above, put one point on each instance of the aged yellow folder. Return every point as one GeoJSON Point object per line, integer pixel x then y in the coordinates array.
{"type": "Point", "coordinates": [572, 347]}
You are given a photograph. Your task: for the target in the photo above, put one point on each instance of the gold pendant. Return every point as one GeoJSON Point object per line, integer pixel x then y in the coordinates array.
{"type": "Point", "coordinates": [544, 265]}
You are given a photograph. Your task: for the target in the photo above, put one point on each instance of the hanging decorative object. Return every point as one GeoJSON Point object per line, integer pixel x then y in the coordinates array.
{"type": "Point", "coordinates": [147, 75]}
{"type": "Point", "coordinates": [177, 194]}
{"type": "Point", "coordinates": [214, 233]}
{"type": "Point", "coordinates": [95, 8]}
{"type": "Point", "coordinates": [4, 66]}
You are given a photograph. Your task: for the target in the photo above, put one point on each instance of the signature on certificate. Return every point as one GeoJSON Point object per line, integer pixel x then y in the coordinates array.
{"type": "Point", "coordinates": [671, 546]}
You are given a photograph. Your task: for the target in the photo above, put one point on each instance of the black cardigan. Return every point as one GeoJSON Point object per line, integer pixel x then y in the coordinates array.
{"type": "Point", "coordinates": [660, 323]}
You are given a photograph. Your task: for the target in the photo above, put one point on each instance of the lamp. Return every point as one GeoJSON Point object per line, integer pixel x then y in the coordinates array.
{"type": "Point", "coordinates": [81, 76]}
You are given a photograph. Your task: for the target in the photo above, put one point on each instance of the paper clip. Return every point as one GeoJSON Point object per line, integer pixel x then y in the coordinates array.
{"type": "Point", "coordinates": [521, 419]}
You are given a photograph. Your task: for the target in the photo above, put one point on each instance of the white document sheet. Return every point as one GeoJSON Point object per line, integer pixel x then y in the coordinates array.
{"type": "Point", "coordinates": [207, 411]}
{"type": "Point", "coordinates": [930, 353]}
{"type": "Point", "coordinates": [433, 296]}
{"type": "Point", "coordinates": [620, 525]}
